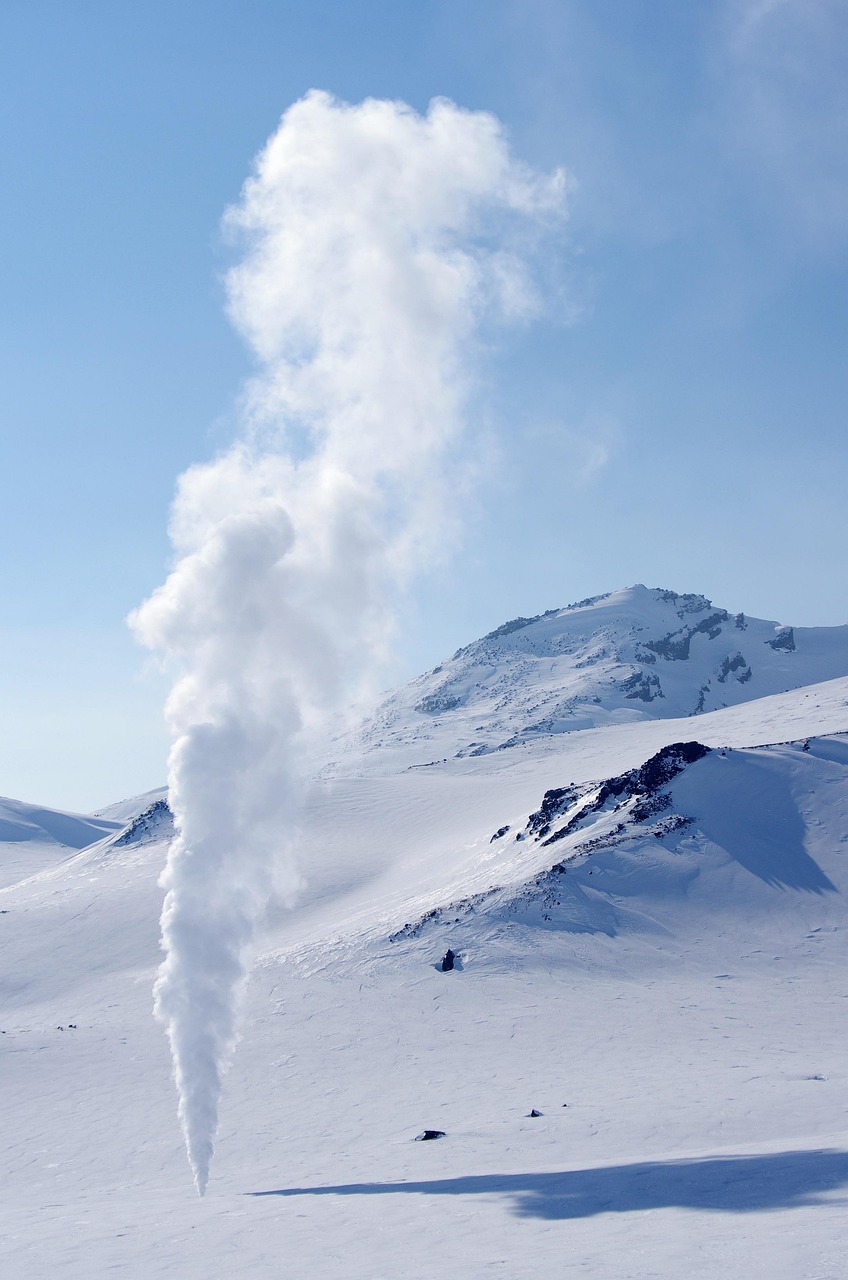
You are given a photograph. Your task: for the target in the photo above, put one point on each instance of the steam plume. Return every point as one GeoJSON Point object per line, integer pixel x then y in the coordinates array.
{"type": "Point", "coordinates": [373, 240]}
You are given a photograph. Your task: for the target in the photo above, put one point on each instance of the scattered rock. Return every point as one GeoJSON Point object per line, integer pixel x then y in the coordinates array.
{"type": "Point", "coordinates": [436, 703]}
{"type": "Point", "coordinates": [643, 686]}
{"type": "Point", "coordinates": [155, 822]}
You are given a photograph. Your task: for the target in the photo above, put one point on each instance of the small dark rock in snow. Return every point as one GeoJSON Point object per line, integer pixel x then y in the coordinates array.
{"type": "Point", "coordinates": [534, 1114]}
{"type": "Point", "coordinates": [429, 1134]}
{"type": "Point", "coordinates": [501, 831]}
{"type": "Point", "coordinates": [448, 960]}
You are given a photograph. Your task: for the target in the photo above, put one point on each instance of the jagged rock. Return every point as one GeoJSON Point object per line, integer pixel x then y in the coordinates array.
{"type": "Point", "coordinates": [675, 646]}
{"type": "Point", "coordinates": [643, 784]}
{"type": "Point", "coordinates": [642, 685]}
{"type": "Point", "coordinates": [554, 802]}
{"type": "Point", "coordinates": [430, 1134]}
{"type": "Point", "coordinates": [785, 639]}
{"type": "Point", "coordinates": [448, 961]}
{"type": "Point", "coordinates": [534, 1114]}
{"type": "Point", "coordinates": [501, 831]}
{"type": "Point", "coordinates": [736, 666]}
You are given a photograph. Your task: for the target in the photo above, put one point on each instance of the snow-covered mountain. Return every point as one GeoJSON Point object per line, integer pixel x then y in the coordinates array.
{"type": "Point", "coordinates": [636, 654]}
{"type": "Point", "coordinates": [647, 912]}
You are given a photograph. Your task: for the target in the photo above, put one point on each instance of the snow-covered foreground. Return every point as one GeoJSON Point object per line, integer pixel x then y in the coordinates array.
{"type": "Point", "coordinates": [671, 998]}
{"type": "Point", "coordinates": [704, 1133]}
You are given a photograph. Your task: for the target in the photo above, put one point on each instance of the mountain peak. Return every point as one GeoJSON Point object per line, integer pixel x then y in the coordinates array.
{"type": "Point", "coordinates": [632, 654]}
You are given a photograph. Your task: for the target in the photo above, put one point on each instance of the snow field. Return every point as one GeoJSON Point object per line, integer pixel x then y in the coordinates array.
{"type": "Point", "coordinates": [685, 997]}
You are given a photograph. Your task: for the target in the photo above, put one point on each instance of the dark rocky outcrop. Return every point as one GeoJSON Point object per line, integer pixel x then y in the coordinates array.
{"type": "Point", "coordinates": [736, 666]}
{"type": "Point", "coordinates": [155, 822]}
{"type": "Point", "coordinates": [785, 640]}
{"type": "Point", "coordinates": [643, 785]}
{"type": "Point", "coordinates": [675, 646]}
{"type": "Point", "coordinates": [642, 685]}
{"type": "Point", "coordinates": [554, 803]}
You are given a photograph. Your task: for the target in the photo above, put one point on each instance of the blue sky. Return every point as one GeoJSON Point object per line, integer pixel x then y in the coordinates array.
{"type": "Point", "coordinates": [677, 418]}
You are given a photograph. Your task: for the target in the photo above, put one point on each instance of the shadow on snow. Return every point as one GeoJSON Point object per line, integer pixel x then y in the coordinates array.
{"type": "Point", "coordinates": [726, 1184]}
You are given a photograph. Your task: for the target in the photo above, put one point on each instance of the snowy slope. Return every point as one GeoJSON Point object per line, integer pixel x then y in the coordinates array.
{"type": "Point", "coordinates": [662, 949]}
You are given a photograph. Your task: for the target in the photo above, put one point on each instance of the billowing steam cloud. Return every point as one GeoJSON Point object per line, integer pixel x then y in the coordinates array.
{"type": "Point", "coordinates": [374, 239]}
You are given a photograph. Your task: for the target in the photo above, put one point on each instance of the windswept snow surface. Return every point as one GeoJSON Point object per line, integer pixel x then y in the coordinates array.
{"type": "Point", "coordinates": [666, 957]}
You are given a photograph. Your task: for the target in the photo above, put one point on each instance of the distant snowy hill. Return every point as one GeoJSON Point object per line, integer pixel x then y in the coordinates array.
{"type": "Point", "coordinates": [32, 837]}
{"type": "Point", "coordinates": [636, 654]}
{"type": "Point", "coordinates": [637, 1060]}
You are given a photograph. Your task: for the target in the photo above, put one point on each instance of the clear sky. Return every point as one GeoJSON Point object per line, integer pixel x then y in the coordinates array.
{"type": "Point", "coordinates": [678, 418]}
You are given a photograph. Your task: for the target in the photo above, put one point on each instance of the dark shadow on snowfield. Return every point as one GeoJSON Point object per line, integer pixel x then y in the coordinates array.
{"type": "Point", "coordinates": [766, 835]}
{"type": "Point", "coordinates": [721, 1184]}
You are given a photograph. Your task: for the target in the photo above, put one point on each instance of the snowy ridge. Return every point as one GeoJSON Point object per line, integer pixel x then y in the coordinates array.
{"type": "Point", "coordinates": [24, 823]}
{"type": "Point", "coordinates": [649, 834]}
{"type": "Point", "coordinates": [33, 837]}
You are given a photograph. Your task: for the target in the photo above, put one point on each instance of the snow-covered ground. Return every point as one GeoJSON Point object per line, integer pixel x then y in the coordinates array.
{"type": "Point", "coordinates": [658, 968]}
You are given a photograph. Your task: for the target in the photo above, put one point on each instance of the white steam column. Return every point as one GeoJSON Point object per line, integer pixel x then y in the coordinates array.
{"type": "Point", "coordinates": [374, 239]}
